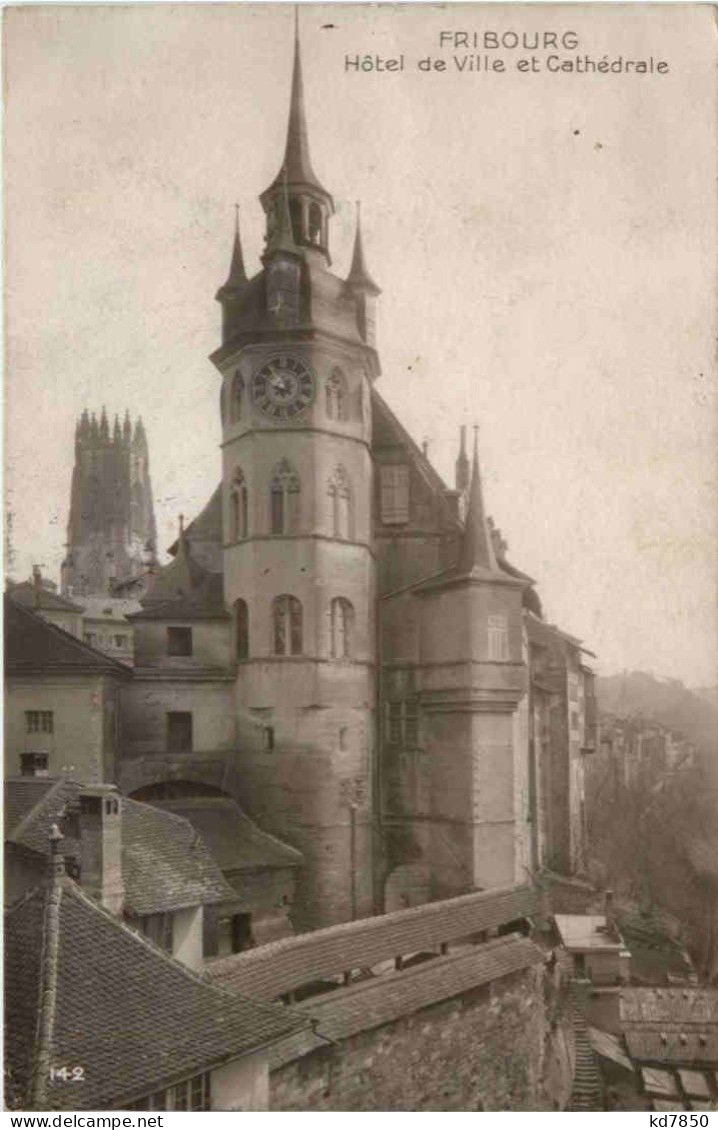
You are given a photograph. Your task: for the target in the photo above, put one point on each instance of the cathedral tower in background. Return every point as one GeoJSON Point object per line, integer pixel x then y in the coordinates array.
{"type": "Point", "coordinates": [111, 535]}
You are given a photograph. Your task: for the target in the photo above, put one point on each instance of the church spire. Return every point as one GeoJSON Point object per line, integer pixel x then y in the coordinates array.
{"type": "Point", "coordinates": [463, 469]}
{"type": "Point", "coordinates": [310, 205]}
{"type": "Point", "coordinates": [359, 278]}
{"type": "Point", "coordinates": [477, 551]}
{"type": "Point", "coordinates": [237, 275]}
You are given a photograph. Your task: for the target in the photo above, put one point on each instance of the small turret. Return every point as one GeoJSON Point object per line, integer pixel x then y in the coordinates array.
{"type": "Point", "coordinates": [309, 204]}
{"type": "Point", "coordinates": [104, 427]}
{"type": "Point", "coordinates": [127, 428]}
{"type": "Point", "coordinates": [139, 440]}
{"type": "Point", "coordinates": [361, 286]}
{"type": "Point", "coordinates": [116, 432]}
{"type": "Point", "coordinates": [477, 550]}
{"type": "Point", "coordinates": [94, 436]}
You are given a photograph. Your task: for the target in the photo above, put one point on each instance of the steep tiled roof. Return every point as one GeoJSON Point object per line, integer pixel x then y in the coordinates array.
{"type": "Point", "coordinates": [40, 598]}
{"type": "Point", "coordinates": [283, 966]}
{"type": "Point", "coordinates": [204, 602]}
{"type": "Point", "coordinates": [133, 1017]}
{"type": "Point", "coordinates": [34, 645]}
{"type": "Point", "coordinates": [207, 526]}
{"type": "Point", "coordinates": [234, 840]}
{"type": "Point", "coordinates": [671, 1025]}
{"type": "Point", "coordinates": [371, 1003]}
{"type": "Point", "coordinates": [165, 864]}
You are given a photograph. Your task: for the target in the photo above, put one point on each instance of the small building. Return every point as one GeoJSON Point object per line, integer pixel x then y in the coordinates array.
{"type": "Point", "coordinates": [595, 946]}
{"type": "Point", "coordinates": [99, 1018]}
{"type": "Point", "coordinates": [146, 866]}
{"type": "Point", "coordinates": [42, 597]}
{"type": "Point", "coordinates": [61, 698]}
{"type": "Point", "coordinates": [106, 627]}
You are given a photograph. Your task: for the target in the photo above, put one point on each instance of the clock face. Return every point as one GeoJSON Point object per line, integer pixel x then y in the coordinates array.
{"type": "Point", "coordinates": [283, 387]}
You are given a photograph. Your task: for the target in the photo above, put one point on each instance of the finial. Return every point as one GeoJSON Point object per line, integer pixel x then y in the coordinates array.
{"type": "Point", "coordinates": [181, 525]}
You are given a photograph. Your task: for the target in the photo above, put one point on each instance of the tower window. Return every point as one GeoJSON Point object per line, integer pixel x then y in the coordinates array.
{"type": "Point", "coordinates": [340, 494]}
{"type": "Point", "coordinates": [295, 214]}
{"type": "Point", "coordinates": [179, 641]}
{"type": "Point", "coordinates": [315, 223]}
{"type": "Point", "coordinates": [342, 623]}
{"type": "Point", "coordinates": [336, 396]}
{"type": "Point", "coordinates": [402, 723]}
{"type": "Point", "coordinates": [241, 628]}
{"type": "Point", "coordinates": [238, 508]}
{"type": "Point", "coordinates": [179, 732]}
{"type": "Point", "coordinates": [237, 393]}
{"type": "Point", "coordinates": [394, 486]}
{"type": "Point", "coordinates": [284, 499]}
{"type": "Point", "coordinates": [498, 639]}
{"type": "Point", "coordinates": [287, 623]}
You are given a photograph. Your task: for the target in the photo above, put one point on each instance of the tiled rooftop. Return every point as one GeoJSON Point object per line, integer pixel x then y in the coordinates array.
{"type": "Point", "coordinates": [281, 967]}
{"type": "Point", "coordinates": [132, 1016]}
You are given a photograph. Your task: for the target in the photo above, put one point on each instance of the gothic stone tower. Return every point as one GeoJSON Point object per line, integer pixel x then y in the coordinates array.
{"type": "Point", "coordinates": [297, 360]}
{"type": "Point", "coordinates": [111, 529]}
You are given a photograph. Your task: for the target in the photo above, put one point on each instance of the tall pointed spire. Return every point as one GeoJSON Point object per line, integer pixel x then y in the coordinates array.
{"type": "Point", "coordinates": [297, 162]}
{"type": "Point", "coordinates": [463, 469]}
{"type": "Point", "coordinates": [237, 275]}
{"type": "Point", "coordinates": [477, 551]}
{"type": "Point", "coordinates": [104, 426]}
{"type": "Point", "coordinates": [359, 277]}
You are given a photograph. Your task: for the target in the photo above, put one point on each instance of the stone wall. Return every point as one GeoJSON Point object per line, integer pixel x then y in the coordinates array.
{"type": "Point", "coordinates": [480, 1051]}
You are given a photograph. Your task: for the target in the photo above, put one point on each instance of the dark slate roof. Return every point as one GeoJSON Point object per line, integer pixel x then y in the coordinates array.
{"type": "Point", "coordinates": [165, 864]}
{"type": "Point", "coordinates": [280, 967]}
{"type": "Point", "coordinates": [38, 597]}
{"type": "Point", "coordinates": [380, 1000]}
{"type": "Point", "coordinates": [671, 1025]}
{"type": "Point", "coordinates": [203, 602]}
{"type": "Point", "coordinates": [34, 645]}
{"type": "Point", "coordinates": [207, 526]}
{"type": "Point", "coordinates": [135, 1018]}
{"type": "Point", "coordinates": [235, 841]}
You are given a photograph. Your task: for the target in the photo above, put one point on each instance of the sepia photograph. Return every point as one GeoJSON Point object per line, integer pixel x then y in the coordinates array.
{"type": "Point", "coordinates": [360, 555]}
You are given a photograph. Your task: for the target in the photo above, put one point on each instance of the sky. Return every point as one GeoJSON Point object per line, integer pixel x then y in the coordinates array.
{"type": "Point", "coordinates": [545, 242]}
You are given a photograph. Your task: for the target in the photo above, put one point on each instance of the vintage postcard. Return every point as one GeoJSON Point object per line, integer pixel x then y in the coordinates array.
{"type": "Point", "coordinates": [360, 558]}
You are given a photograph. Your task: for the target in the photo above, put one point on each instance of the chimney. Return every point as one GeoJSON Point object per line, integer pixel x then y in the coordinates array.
{"type": "Point", "coordinates": [101, 845]}
{"type": "Point", "coordinates": [34, 763]}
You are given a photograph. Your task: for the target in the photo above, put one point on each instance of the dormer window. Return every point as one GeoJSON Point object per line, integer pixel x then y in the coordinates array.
{"type": "Point", "coordinates": [179, 641]}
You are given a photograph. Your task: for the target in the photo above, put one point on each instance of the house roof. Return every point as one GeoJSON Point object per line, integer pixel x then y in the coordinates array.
{"type": "Point", "coordinates": [39, 598]}
{"type": "Point", "coordinates": [102, 996]}
{"type": "Point", "coordinates": [283, 966]}
{"type": "Point", "coordinates": [33, 645]}
{"type": "Point", "coordinates": [165, 864]}
{"type": "Point", "coordinates": [235, 841]}
{"type": "Point", "coordinates": [587, 932]}
{"type": "Point", "coordinates": [184, 590]}
{"type": "Point", "coordinates": [380, 1000]}
{"type": "Point", "coordinates": [671, 1025]}
{"type": "Point", "coordinates": [207, 526]}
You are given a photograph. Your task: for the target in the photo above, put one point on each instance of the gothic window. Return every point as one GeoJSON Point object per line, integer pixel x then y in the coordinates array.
{"type": "Point", "coordinates": [342, 624]}
{"type": "Point", "coordinates": [287, 624]}
{"type": "Point", "coordinates": [241, 628]}
{"type": "Point", "coordinates": [236, 394]}
{"type": "Point", "coordinates": [336, 396]}
{"type": "Point", "coordinates": [295, 213]}
{"type": "Point", "coordinates": [284, 499]}
{"type": "Point", "coordinates": [498, 638]}
{"type": "Point", "coordinates": [239, 508]}
{"type": "Point", "coordinates": [394, 486]}
{"type": "Point", "coordinates": [340, 494]}
{"type": "Point", "coordinates": [402, 723]}
{"type": "Point", "coordinates": [315, 224]}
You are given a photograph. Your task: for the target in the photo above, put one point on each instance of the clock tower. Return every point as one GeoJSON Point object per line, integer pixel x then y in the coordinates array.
{"type": "Point", "coordinates": [297, 360]}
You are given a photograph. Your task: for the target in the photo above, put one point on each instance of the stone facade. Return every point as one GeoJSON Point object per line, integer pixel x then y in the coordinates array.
{"type": "Point", "coordinates": [480, 1051]}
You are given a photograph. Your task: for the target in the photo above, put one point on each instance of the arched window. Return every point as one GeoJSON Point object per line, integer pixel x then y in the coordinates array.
{"type": "Point", "coordinates": [235, 405]}
{"type": "Point", "coordinates": [287, 625]}
{"type": "Point", "coordinates": [336, 394]}
{"type": "Point", "coordinates": [315, 224]}
{"type": "Point", "coordinates": [239, 508]}
{"type": "Point", "coordinates": [284, 499]}
{"type": "Point", "coordinates": [340, 494]}
{"type": "Point", "coordinates": [342, 625]}
{"type": "Point", "coordinates": [241, 628]}
{"type": "Point", "coordinates": [295, 214]}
